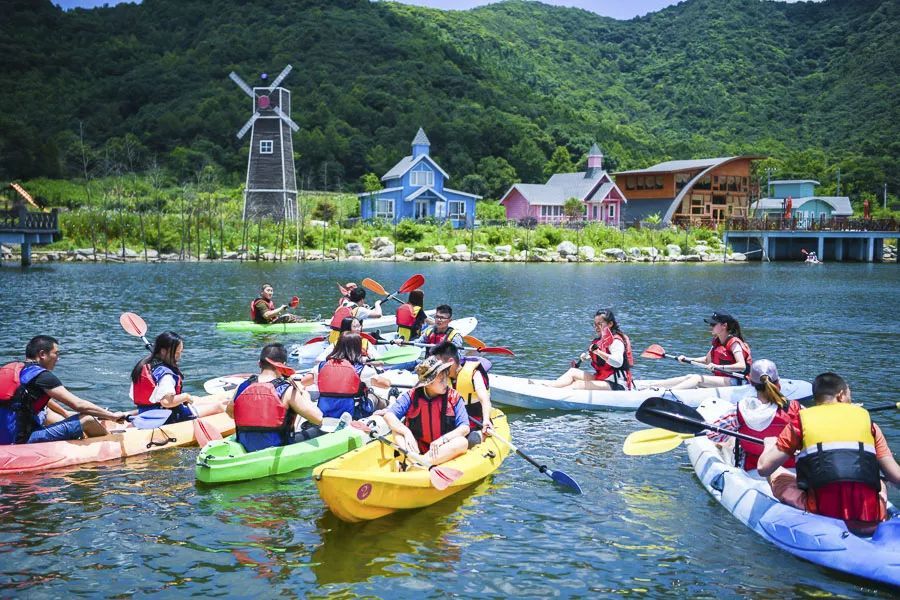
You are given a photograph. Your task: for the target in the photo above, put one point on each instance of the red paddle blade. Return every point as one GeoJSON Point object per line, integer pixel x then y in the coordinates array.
{"type": "Point", "coordinates": [413, 283]}
{"type": "Point", "coordinates": [283, 369]}
{"type": "Point", "coordinates": [366, 336]}
{"type": "Point", "coordinates": [204, 432]}
{"type": "Point", "coordinates": [133, 324]}
{"type": "Point", "coordinates": [295, 302]}
{"type": "Point", "coordinates": [314, 340]}
{"type": "Point", "coordinates": [654, 351]}
{"type": "Point", "coordinates": [442, 477]}
{"type": "Point", "coordinates": [473, 341]}
{"type": "Point", "coordinates": [374, 286]}
{"type": "Point", "coordinates": [496, 350]}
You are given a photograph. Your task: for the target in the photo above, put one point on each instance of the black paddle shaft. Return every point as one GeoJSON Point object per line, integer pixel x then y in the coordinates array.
{"type": "Point", "coordinates": [703, 425]}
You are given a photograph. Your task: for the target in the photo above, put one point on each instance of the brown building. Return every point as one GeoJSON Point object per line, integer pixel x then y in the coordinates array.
{"type": "Point", "coordinates": [699, 192]}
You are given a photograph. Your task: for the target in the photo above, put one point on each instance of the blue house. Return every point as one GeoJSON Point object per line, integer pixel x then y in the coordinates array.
{"type": "Point", "coordinates": [414, 189]}
{"type": "Point", "coordinates": [805, 206]}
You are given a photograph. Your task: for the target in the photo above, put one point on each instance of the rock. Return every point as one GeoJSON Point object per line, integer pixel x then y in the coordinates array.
{"type": "Point", "coordinates": [423, 256]}
{"type": "Point", "coordinates": [354, 249]}
{"type": "Point", "coordinates": [650, 251]}
{"type": "Point", "coordinates": [461, 248]}
{"type": "Point", "coordinates": [269, 256]}
{"type": "Point", "coordinates": [587, 252]}
{"type": "Point", "coordinates": [441, 250]}
{"type": "Point", "coordinates": [355, 258]}
{"type": "Point", "coordinates": [692, 258]}
{"type": "Point", "coordinates": [538, 251]}
{"type": "Point", "coordinates": [503, 250]}
{"type": "Point", "coordinates": [382, 242]}
{"type": "Point", "coordinates": [616, 253]}
{"type": "Point", "coordinates": [634, 252]}
{"type": "Point", "coordinates": [462, 256]}
{"type": "Point", "coordinates": [700, 249]}
{"type": "Point", "coordinates": [315, 223]}
{"type": "Point", "coordinates": [445, 257]}
{"type": "Point", "coordinates": [80, 258]}
{"type": "Point", "coordinates": [127, 253]}
{"type": "Point", "coordinates": [567, 248]}
{"type": "Point", "coordinates": [673, 250]}
{"type": "Point", "coordinates": [382, 251]}
{"type": "Point", "coordinates": [85, 251]}
{"type": "Point", "coordinates": [482, 256]}
{"type": "Point", "coordinates": [738, 257]}
{"type": "Point", "coordinates": [570, 258]}
{"type": "Point", "coordinates": [409, 252]}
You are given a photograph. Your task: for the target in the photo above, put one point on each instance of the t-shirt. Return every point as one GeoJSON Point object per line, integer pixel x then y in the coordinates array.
{"type": "Point", "coordinates": [790, 441]}
{"type": "Point", "coordinates": [42, 384]}
{"type": "Point", "coordinates": [402, 404]}
{"type": "Point", "coordinates": [262, 307]}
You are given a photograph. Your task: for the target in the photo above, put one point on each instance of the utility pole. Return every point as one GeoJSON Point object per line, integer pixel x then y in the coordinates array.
{"type": "Point", "coordinates": [885, 196]}
{"type": "Point", "coordinates": [769, 171]}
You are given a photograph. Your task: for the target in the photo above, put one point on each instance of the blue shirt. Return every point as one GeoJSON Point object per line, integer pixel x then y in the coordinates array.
{"type": "Point", "coordinates": [401, 407]}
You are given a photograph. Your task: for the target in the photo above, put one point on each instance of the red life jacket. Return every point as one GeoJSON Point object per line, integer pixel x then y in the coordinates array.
{"type": "Point", "coordinates": [11, 381]}
{"type": "Point", "coordinates": [406, 320]}
{"type": "Point", "coordinates": [270, 305]}
{"type": "Point", "coordinates": [344, 311]}
{"type": "Point", "coordinates": [752, 450]}
{"type": "Point", "coordinates": [434, 337]}
{"type": "Point", "coordinates": [146, 383]}
{"type": "Point", "coordinates": [603, 369]}
{"type": "Point", "coordinates": [258, 407]}
{"type": "Point", "coordinates": [430, 419]}
{"type": "Point", "coordinates": [721, 354]}
{"type": "Point", "coordinates": [339, 379]}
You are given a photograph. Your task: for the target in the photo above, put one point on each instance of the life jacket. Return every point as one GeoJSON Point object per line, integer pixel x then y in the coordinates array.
{"type": "Point", "coordinates": [19, 417]}
{"type": "Point", "coordinates": [434, 337]}
{"type": "Point", "coordinates": [429, 419]}
{"type": "Point", "coordinates": [752, 450]}
{"type": "Point", "coordinates": [406, 320]}
{"type": "Point", "coordinates": [151, 373]}
{"type": "Point", "coordinates": [340, 387]}
{"type": "Point", "coordinates": [721, 354]}
{"type": "Point", "coordinates": [465, 385]}
{"type": "Point", "coordinates": [345, 310]}
{"type": "Point", "coordinates": [256, 317]}
{"type": "Point", "coordinates": [604, 370]}
{"type": "Point", "coordinates": [258, 407]}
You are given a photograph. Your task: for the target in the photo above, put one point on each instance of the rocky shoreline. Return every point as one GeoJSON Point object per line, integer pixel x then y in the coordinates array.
{"type": "Point", "coordinates": [383, 249]}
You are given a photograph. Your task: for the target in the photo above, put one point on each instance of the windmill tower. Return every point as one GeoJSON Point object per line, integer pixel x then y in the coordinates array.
{"type": "Point", "coordinates": [271, 189]}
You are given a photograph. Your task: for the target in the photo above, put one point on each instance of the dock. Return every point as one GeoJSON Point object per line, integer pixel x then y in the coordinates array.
{"type": "Point", "coordinates": [23, 227]}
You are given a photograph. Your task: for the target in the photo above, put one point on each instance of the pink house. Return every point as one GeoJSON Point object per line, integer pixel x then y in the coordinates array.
{"type": "Point", "coordinates": [602, 199]}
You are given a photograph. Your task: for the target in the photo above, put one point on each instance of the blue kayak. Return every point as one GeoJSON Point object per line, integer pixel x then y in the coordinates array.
{"type": "Point", "coordinates": [820, 540]}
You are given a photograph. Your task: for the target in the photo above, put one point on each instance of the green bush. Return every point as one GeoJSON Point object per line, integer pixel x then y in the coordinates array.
{"type": "Point", "coordinates": [409, 232]}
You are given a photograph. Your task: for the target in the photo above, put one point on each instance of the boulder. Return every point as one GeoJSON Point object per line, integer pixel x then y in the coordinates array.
{"type": "Point", "coordinates": [409, 252]}
{"type": "Point", "coordinates": [461, 248]}
{"type": "Point", "coordinates": [127, 253]}
{"type": "Point", "coordinates": [692, 258]}
{"type": "Point", "coordinates": [503, 250]}
{"type": "Point", "coordinates": [445, 257]}
{"type": "Point", "coordinates": [381, 242]}
{"type": "Point", "coordinates": [85, 251]}
{"type": "Point", "coordinates": [634, 252]}
{"type": "Point", "coordinates": [616, 253]}
{"type": "Point", "coordinates": [482, 256]}
{"type": "Point", "coordinates": [423, 256]}
{"type": "Point", "coordinates": [673, 250]}
{"type": "Point", "coordinates": [354, 249]}
{"type": "Point", "coordinates": [738, 257]}
{"type": "Point", "coordinates": [462, 256]}
{"type": "Point", "coordinates": [441, 249]}
{"type": "Point", "coordinates": [382, 251]}
{"type": "Point", "coordinates": [567, 248]}
{"type": "Point", "coordinates": [538, 251]}
{"type": "Point", "coordinates": [700, 249]}
{"type": "Point", "coordinates": [587, 252]}
{"type": "Point", "coordinates": [650, 251]}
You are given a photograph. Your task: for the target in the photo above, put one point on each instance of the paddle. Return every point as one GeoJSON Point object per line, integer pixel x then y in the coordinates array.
{"type": "Point", "coordinates": [652, 441]}
{"type": "Point", "coordinates": [441, 477]}
{"type": "Point", "coordinates": [295, 302]}
{"type": "Point", "coordinates": [134, 325]}
{"type": "Point", "coordinates": [655, 351]}
{"type": "Point", "coordinates": [413, 283]}
{"type": "Point", "coordinates": [395, 356]}
{"type": "Point", "coordinates": [473, 341]}
{"type": "Point", "coordinates": [150, 419]}
{"type": "Point", "coordinates": [557, 476]}
{"type": "Point", "coordinates": [482, 349]}
{"type": "Point", "coordinates": [314, 340]}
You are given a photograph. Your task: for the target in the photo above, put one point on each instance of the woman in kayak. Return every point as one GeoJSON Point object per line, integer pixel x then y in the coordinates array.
{"type": "Point", "coordinates": [728, 359]}
{"type": "Point", "coordinates": [411, 316]}
{"type": "Point", "coordinates": [760, 415]}
{"type": "Point", "coordinates": [156, 382]}
{"type": "Point", "coordinates": [610, 356]}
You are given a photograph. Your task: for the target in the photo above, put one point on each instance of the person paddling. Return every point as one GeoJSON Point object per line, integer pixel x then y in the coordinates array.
{"type": "Point", "coordinates": [354, 306]}
{"type": "Point", "coordinates": [29, 393]}
{"type": "Point", "coordinates": [729, 358]}
{"type": "Point", "coordinates": [264, 311]}
{"type": "Point", "coordinates": [610, 355]}
{"type": "Point", "coordinates": [759, 415]}
{"type": "Point", "coordinates": [441, 330]}
{"type": "Point", "coordinates": [840, 456]}
{"type": "Point", "coordinates": [411, 316]}
{"type": "Point", "coordinates": [156, 382]}
{"type": "Point", "coordinates": [431, 418]}
{"type": "Point", "coordinates": [469, 377]}
{"type": "Point", "coordinates": [265, 405]}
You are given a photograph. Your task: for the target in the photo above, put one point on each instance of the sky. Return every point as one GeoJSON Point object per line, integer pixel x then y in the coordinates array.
{"type": "Point", "coordinates": [617, 9]}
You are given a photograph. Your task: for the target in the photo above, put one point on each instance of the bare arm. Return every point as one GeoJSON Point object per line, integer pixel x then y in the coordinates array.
{"type": "Point", "coordinates": [299, 401]}
{"type": "Point", "coordinates": [484, 397]}
{"type": "Point", "coordinates": [271, 315]}
{"type": "Point", "coordinates": [771, 458]}
{"type": "Point", "coordinates": [82, 406]}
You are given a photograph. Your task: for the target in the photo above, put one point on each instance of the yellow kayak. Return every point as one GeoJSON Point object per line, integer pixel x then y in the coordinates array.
{"type": "Point", "coordinates": [367, 483]}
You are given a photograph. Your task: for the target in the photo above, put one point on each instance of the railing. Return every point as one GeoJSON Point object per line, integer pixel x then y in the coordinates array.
{"type": "Point", "coordinates": [779, 223]}
{"type": "Point", "coordinates": [22, 220]}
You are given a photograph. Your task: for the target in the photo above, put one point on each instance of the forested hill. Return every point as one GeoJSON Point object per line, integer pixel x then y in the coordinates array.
{"type": "Point", "coordinates": [497, 88]}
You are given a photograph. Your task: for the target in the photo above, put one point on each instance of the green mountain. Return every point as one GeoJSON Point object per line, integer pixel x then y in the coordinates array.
{"type": "Point", "coordinates": [814, 85]}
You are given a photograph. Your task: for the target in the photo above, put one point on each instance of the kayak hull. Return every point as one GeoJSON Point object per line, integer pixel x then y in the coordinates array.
{"type": "Point", "coordinates": [385, 323]}
{"type": "Point", "coordinates": [225, 461]}
{"type": "Point", "coordinates": [517, 391]}
{"type": "Point", "coordinates": [821, 540]}
{"type": "Point", "coordinates": [366, 484]}
{"type": "Point", "coordinates": [128, 441]}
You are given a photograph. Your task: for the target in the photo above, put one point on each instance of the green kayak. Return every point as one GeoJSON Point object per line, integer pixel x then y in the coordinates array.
{"type": "Point", "coordinates": [223, 461]}
{"type": "Point", "coordinates": [303, 327]}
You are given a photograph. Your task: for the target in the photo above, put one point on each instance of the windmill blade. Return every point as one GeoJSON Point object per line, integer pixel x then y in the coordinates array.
{"type": "Point", "coordinates": [247, 125]}
{"type": "Point", "coordinates": [240, 83]}
{"type": "Point", "coordinates": [286, 118]}
{"type": "Point", "coordinates": [281, 76]}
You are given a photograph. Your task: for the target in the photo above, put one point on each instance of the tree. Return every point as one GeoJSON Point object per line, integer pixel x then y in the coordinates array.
{"type": "Point", "coordinates": [474, 184]}
{"type": "Point", "coordinates": [573, 208]}
{"type": "Point", "coordinates": [560, 162]}
{"type": "Point", "coordinates": [528, 160]}
{"type": "Point", "coordinates": [498, 175]}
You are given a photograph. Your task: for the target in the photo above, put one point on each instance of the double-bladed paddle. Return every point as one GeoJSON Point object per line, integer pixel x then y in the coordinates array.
{"type": "Point", "coordinates": [134, 325]}
{"type": "Point", "coordinates": [557, 476]}
{"type": "Point", "coordinates": [481, 349]}
{"type": "Point", "coordinates": [413, 283]}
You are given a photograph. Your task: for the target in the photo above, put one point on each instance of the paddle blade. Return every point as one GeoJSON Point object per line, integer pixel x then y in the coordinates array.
{"type": "Point", "coordinates": [151, 419]}
{"type": "Point", "coordinates": [133, 324]}
{"type": "Point", "coordinates": [204, 432]}
{"type": "Point", "coordinates": [283, 369]}
{"type": "Point", "coordinates": [659, 412]}
{"type": "Point", "coordinates": [374, 286]}
{"type": "Point", "coordinates": [652, 441]}
{"type": "Point", "coordinates": [368, 336]}
{"type": "Point", "coordinates": [443, 477]}
{"type": "Point", "coordinates": [295, 302]}
{"type": "Point", "coordinates": [654, 351]}
{"type": "Point", "coordinates": [473, 341]}
{"type": "Point", "coordinates": [566, 481]}
{"type": "Point", "coordinates": [314, 340]}
{"type": "Point", "coordinates": [413, 283]}
{"type": "Point", "coordinates": [496, 350]}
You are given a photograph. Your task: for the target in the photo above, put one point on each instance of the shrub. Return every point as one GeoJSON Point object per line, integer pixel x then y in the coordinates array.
{"type": "Point", "coordinates": [409, 232]}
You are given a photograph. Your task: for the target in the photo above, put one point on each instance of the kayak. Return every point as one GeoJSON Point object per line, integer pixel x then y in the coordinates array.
{"type": "Point", "coordinates": [316, 350]}
{"type": "Point", "coordinates": [536, 394]}
{"type": "Point", "coordinates": [820, 540]}
{"type": "Point", "coordinates": [387, 322]}
{"type": "Point", "coordinates": [126, 441]}
{"type": "Point", "coordinates": [367, 484]}
{"type": "Point", "coordinates": [223, 461]}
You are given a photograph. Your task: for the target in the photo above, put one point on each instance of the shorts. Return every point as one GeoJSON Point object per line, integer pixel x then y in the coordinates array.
{"type": "Point", "coordinates": [67, 429]}
{"type": "Point", "coordinates": [474, 438]}
{"type": "Point", "coordinates": [613, 384]}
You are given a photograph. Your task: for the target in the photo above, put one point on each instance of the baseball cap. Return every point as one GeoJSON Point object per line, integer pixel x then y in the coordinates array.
{"type": "Point", "coordinates": [429, 369]}
{"type": "Point", "coordinates": [720, 317]}
{"type": "Point", "coordinates": [763, 367]}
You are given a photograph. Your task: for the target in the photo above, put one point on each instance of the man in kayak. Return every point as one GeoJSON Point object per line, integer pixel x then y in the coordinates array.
{"type": "Point", "coordinates": [354, 306]}
{"type": "Point", "coordinates": [431, 418]}
{"type": "Point", "coordinates": [265, 406]}
{"type": "Point", "coordinates": [441, 330]}
{"type": "Point", "coordinates": [469, 377]}
{"type": "Point", "coordinates": [840, 455]}
{"type": "Point", "coordinates": [29, 392]}
{"type": "Point", "coordinates": [264, 311]}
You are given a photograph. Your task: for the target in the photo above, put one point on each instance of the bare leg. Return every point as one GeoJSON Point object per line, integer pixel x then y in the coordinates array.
{"type": "Point", "coordinates": [569, 377]}
{"type": "Point", "coordinates": [92, 427]}
{"type": "Point", "coordinates": [449, 451]}
{"type": "Point", "coordinates": [591, 384]}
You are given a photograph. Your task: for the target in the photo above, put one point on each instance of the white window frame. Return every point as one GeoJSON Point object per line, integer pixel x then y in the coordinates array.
{"type": "Point", "coordinates": [440, 209]}
{"type": "Point", "coordinates": [456, 210]}
{"type": "Point", "coordinates": [611, 211]}
{"type": "Point", "coordinates": [416, 178]}
{"type": "Point", "coordinates": [379, 212]}
{"type": "Point", "coordinates": [420, 210]}
{"type": "Point", "coordinates": [266, 146]}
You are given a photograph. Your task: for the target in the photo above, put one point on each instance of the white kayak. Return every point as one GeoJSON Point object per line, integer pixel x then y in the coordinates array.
{"type": "Point", "coordinates": [317, 351]}
{"type": "Point", "coordinates": [536, 394]}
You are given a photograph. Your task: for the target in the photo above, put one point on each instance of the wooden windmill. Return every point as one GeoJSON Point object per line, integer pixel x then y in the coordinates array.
{"type": "Point", "coordinates": [271, 189]}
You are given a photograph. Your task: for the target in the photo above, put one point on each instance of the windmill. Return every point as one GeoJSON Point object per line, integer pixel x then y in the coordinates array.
{"type": "Point", "coordinates": [271, 189]}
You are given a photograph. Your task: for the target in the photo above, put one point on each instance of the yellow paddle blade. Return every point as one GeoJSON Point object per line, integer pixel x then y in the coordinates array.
{"type": "Point", "coordinates": [652, 441]}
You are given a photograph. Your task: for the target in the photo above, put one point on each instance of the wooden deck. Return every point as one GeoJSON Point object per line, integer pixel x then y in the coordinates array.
{"type": "Point", "coordinates": [19, 226]}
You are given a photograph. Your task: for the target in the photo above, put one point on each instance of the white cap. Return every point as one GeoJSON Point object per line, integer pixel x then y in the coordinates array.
{"type": "Point", "coordinates": [763, 367]}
